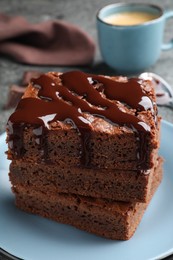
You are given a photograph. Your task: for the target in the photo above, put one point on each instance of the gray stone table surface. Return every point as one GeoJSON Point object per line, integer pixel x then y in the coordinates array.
{"type": "Point", "coordinates": [81, 13]}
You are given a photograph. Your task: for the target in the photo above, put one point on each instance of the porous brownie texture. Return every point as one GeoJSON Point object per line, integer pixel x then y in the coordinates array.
{"type": "Point", "coordinates": [110, 184]}
{"type": "Point", "coordinates": [110, 219]}
{"type": "Point", "coordinates": [110, 151]}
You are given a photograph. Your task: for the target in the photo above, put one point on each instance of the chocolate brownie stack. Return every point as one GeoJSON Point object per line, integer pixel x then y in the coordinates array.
{"type": "Point", "coordinates": [84, 151]}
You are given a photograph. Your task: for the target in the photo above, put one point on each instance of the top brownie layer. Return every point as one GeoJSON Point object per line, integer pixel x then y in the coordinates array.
{"type": "Point", "coordinates": [87, 120]}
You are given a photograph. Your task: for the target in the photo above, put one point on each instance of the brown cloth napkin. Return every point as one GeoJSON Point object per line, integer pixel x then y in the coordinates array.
{"type": "Point", "coordinates": [47, 43]}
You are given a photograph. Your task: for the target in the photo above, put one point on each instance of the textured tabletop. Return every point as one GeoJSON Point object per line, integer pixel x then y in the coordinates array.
{"type": "Point", "coordinates": [81, 13]}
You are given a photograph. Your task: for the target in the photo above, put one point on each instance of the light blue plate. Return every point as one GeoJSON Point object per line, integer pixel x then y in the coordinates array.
{"type": "Point", "coordinates": [34, 238]}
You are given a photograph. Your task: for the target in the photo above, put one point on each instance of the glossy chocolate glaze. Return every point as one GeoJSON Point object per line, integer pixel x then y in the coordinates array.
{"type": "Point", "coordinates": [68, 101]}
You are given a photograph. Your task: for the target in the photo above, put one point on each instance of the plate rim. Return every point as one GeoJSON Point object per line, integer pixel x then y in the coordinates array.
{"type": "Point", "coordinates": [9, 255]}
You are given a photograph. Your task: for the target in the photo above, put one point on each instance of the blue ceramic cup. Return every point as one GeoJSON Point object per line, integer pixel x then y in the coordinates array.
{"type": "Point", "coordinates": [131, 49]}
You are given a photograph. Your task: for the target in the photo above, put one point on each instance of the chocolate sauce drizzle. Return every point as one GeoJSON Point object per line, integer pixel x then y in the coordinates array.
{"type": "Point", "coordinates": [68, 101]}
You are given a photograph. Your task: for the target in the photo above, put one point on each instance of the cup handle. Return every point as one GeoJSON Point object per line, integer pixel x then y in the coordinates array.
{"type": "Point", "coordinates": [169, 45]}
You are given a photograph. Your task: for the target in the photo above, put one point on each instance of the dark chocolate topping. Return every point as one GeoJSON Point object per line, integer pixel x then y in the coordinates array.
{"type": "Point", "coordinates": [77, 94]}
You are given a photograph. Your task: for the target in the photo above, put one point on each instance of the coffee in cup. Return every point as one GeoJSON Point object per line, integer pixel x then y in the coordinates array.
{"type": "Point", "coordinates": [129, 18]}
{"type": "Point", "coordinates": [130, 48]}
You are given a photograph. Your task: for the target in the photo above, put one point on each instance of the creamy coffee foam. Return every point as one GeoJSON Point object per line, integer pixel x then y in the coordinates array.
{"type": "Point", "coordinates": [129, 18]}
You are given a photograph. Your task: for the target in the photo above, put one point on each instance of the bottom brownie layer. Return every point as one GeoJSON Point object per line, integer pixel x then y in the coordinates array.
{"type": "Point", "coordinates": [110, 219]}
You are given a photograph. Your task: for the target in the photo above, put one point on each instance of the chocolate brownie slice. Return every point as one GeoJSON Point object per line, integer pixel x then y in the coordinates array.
{"type": "Point", "coordinates": [99, 183]}
{"type": "Point", "coordinates": [79, 119]}
{"type": "Point", "coordinates": [110, 219]}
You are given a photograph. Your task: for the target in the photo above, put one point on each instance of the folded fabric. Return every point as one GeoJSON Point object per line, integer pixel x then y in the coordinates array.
{"type": "Point", "coordinates": [47, 43]}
